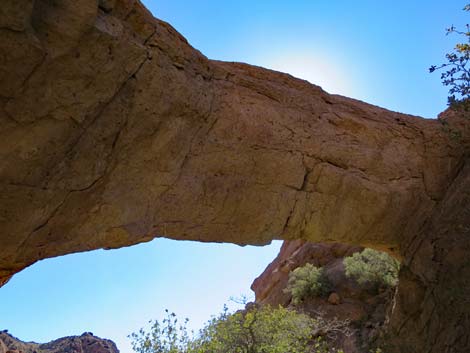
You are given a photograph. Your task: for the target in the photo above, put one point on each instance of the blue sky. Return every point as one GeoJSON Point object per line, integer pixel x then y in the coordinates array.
{"type": "Point", "coordinates": [113, 293]}
{"type": "Point", "coordinates": [371, 50]}
{"type": "Point", "coordinates": [376, 51]}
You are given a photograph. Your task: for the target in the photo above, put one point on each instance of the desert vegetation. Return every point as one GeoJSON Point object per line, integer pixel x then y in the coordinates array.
{"type": "Point", "coordinates": [306, 282]}
{"type": "Point", "coordinates": [455, 72]}
{"type": "Point", "coordinates": [256, 329]}
{"type": "Point", "coordinates": [372, 267]}
{"type": "Point", "coordinates": [272, 329]}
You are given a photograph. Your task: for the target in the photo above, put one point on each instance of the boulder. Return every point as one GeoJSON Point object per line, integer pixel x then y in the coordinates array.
{"type": "Point", "coordinates": [334, 299]}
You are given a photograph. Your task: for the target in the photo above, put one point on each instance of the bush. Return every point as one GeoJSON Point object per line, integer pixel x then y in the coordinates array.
{"type": "Point", "coordinates": [165, 337]}
{"type": "Point", "coordinates": [306, 282]}
{"type": "Point", "coordinates": [374, 267]}
{"type": "Point", "coordinates": [255, 330]}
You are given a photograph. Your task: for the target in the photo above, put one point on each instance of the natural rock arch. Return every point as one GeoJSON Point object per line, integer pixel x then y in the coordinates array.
{"type": "Point", "coordinates": [113, 130]}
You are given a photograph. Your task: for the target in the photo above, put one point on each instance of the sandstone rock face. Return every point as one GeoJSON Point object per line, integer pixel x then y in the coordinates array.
{"type": "Point", "coordinates": [269, 286]}
{"type": "Point", "coordinates": [86, 343]}
{"type": "Point", "coordinates": [360, 305]}
{"type": "Point", "coordinates": [114, 130]}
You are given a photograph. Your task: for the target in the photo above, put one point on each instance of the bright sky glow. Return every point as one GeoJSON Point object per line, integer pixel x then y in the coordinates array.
{"type": "Point", "coordinates": [371, 50]}
{"type": "Point", "coordinates": [316, 69]}
{"type": "Point", "coordinates": [376, 51]}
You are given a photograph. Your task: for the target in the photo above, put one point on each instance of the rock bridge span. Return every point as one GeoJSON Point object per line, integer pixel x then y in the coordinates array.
{"type": "Point", "coordinates": [114, 130]}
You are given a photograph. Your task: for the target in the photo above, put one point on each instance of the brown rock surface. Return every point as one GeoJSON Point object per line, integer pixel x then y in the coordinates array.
{"type": "Point", "coordinates": [86, 343]}
{"type": "Point", "coordinates": [114, 130]}
{"type": "Point", "coordinates": [269, 286]}
{"type": "Point", "coordinates": [334, 299]}
{"type": "Point", "coordinates": [347, 301]}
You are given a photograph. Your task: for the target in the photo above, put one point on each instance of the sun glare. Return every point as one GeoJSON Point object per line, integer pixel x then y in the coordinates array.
{"type": "Point", "coordinates": [316, 69]}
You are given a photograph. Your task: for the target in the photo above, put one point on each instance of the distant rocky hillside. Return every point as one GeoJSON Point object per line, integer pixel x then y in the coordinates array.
{"type": "Point", "coordinates": [86, 343]}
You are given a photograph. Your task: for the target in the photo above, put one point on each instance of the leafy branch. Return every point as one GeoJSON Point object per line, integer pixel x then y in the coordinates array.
{"type": "Point", "coordinates": [457, 70]}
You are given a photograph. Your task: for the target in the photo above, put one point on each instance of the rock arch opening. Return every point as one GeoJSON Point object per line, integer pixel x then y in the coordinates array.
{"type": "Point", "coordinates": [114, 293]}
{"type": "Point", "coordinates": [168, 141]}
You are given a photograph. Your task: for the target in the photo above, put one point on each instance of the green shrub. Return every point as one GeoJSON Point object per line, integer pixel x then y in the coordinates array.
{"type": "Point", "coordinates": [169, 336]}
{"type": "Point", "coordinates": [255, 330]}
{"type": "Point", "coordinates": [305, 282]}
{"type": "Point", "coordinates": [322, 346]}
{"type": "Point", "coordinates": [373, 267]}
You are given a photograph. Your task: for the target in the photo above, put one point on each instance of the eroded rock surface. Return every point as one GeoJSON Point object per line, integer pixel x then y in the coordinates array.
{"type": "Point", "coordinates": [114, 130]}
{"type": "Point", "coordinates": [269, 286]}
{"type": "Point", "coordinates": [86, 343]}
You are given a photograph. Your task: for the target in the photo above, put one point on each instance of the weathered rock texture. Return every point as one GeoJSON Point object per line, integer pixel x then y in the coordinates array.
{"type": "Point", "coordinates": [114, 130]}
{"type": "Point", "coordinates": [269, 286]}
{"type": "Point", "coordinates": [86, 343]}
